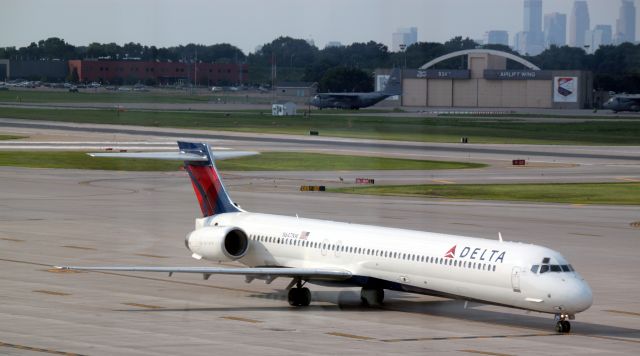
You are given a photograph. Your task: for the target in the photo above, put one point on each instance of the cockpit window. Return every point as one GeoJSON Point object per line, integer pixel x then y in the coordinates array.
{"type": "Point", "coordinates": [552, 268]}
{"type": "Point", "coordinates": [534, 268]}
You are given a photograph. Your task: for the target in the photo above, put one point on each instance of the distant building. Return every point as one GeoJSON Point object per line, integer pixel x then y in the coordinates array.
{"type": "Point", "coordinates": [334, 44]}
{"type": "Point", "coordinates": [403, 36]}
{"type": "Point", "coordinates": [531, 39]}
{"type": "Point", "coordinates": [555, 29]}
{"type": "Point", "coordinates": [119, 72]}
{"type": "Point", "coordinates": [497, 37]}
{"type": "Point", "coordinates": [579, 24]}
{"type": "Point", "coordinates": [532, 15]}
{"type": "Point", "coordinates": [296, 89]}
{"type": "Point", "coordinates": [626, 23]}
{"type": "Point", "coordinates": [33, 70]}
{"type": "Point", "coordinates": [599, 36]}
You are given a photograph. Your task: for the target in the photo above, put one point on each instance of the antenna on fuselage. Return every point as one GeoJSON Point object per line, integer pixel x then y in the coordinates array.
{"type": "Point", "coordinates": [500, 236]}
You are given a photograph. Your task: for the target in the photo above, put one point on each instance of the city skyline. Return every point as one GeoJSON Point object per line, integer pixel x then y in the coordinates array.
{"type": "Point", "coordinates": [256, 22]}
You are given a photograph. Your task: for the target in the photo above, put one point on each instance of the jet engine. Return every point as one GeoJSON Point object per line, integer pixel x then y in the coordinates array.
{"type": "Point", "coordinates": [218, 243]}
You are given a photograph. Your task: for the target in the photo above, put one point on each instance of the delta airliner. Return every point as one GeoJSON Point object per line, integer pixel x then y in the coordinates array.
{"type": "Point", "coordinates": [497, 272]}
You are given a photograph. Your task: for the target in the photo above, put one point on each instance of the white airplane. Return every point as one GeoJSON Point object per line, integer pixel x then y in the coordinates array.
{"type": "Point", "coordinates": [497, 272]}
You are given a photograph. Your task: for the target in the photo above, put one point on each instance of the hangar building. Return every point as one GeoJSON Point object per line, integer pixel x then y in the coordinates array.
{"type": "Point", "coordinates": [487, 83]}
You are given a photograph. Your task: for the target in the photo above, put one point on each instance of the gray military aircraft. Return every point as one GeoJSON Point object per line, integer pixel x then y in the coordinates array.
{"type": "Point", "coordinates": [623, 103]}
{"type": "Point", "coordinates": [356, 101]}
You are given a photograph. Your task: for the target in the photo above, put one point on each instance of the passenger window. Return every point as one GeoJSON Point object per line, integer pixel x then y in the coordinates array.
{"type": "Point", "coordinates": [544, 268]}
{"type": "Point", "coordinates": [535, 268]}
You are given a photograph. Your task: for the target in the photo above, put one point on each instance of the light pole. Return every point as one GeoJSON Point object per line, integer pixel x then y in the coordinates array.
{"type": "Point", "coordinates": [403, 48]}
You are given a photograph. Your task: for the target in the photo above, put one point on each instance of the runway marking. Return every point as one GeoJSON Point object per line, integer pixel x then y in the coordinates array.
{"type": "Point", "coordinates": [635, 224]}
{"type": "Point", "coordinates": [237, 318]}
{"type": "Point", "coordinates": [485, 353]}
{"type": "Point", "coordinates": [471, 337]}
{"type": "Point", "coordinates": [350, 336]}
{"type": "Point", "coordinates": [50, 292]}
{"type": "Point", "coordinates": [148, 255]}
{"type": "Point", "coordinates": [63, 270]}
{"type": "Point", "coordinates": [612, 338]}
{"type": "Point", "coordinates": [583, 234]}
{"type": "Point", "coordinates": [10, 239]}
{"type": "Point", "coordinates": [622, 312]}
{"type": "Point", "coordinates": [457, 223]}
{"type": "Point", "coordinates": [578, 205]}
{"type": "Point", "coordinates": [78, 247]}
{"type": "Point", "coordinates": [37, 349]}
{"type": "Point", "coordinates": [628, 179]}
{"type": "Point", "coordinates": [443, 181]}
{"type": "Point", "coordinates": [146, 306]}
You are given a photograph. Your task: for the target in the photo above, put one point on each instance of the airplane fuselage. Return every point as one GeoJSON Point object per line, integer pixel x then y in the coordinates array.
{"type": "Point", "coordinates": [347, 101]}
{"type": "Point", "coordinates": [488, 271]}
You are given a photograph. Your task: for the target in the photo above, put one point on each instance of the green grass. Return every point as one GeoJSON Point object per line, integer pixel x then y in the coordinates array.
{"type": "Point", "coordinates": [292, 161]}
{"type": "Point", "coordinates": [420, 129]}
{"type": "Point", "coordinates": [119, 97]}
{"type": "Point", "coordinates": [10, 137]}
{"type": "Point", "coordinates": [574, 193]}
{"type": "Point", "coordinates": [272, 161]}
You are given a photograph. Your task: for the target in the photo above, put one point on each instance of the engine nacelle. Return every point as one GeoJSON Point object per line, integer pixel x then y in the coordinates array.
{"type": "Point", "coordinates": [218, 243]}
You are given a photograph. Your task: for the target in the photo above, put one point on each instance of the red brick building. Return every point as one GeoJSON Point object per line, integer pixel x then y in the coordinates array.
{"type": "Point", "coordinates": [131, 72]}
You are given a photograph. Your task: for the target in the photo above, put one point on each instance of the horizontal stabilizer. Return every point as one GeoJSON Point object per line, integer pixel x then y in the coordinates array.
{"type": "Point", "coordinates": [175, 156]}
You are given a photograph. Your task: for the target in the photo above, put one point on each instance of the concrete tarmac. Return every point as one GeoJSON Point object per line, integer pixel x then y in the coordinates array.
{"type": "Point", "coordinates": [52, 217]}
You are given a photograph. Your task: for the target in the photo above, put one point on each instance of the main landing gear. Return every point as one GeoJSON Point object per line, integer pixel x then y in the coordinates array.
{"type": "Point", "coordinates": [563, 326]}
{"type": "Point", "coordinates": [299, 296]}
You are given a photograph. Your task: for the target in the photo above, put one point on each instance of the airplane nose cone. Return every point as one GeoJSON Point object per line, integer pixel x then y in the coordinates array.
{"type": "Point", "coordinates": [584, 298]}
{"type": "Point", "coordinates": [577, 296]}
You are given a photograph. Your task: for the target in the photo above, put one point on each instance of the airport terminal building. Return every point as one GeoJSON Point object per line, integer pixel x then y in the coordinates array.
{"type": "Point", "coordinates": [487, 83]}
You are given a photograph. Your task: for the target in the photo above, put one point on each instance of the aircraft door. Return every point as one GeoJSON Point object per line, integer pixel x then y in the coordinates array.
{"type": "Point", "coordinates": [515, 279]}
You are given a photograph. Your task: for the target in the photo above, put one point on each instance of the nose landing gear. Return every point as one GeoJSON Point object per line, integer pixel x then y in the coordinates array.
{"type": "Point", "coordinates": [563, 326]}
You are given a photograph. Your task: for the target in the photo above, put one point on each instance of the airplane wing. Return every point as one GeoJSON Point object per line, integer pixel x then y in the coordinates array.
{"type": "Point", "coordinates": [327, 274]}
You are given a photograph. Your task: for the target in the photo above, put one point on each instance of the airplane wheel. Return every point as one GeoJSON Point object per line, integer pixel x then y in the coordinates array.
{"type": "Point", "coordinates": [305, 297]}
{"type": "Point", "coordinates": [292, 297]}
{"type": "Point", "coordinates": [372, 296]}
{"type": "Point", "coordinates": [299, 297]}
{"type": "Point", "coordinates": [560, 327]}
{"type": "Point", "coordinates": [566, 326]}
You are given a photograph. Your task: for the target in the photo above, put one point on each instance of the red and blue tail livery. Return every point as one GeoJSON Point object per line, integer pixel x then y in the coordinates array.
{"type": "Point", "coordinates": [207, 185]}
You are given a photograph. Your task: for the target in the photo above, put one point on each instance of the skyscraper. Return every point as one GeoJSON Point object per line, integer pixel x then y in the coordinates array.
{"type": "Point", "coordinates": [626, 23]}
{"type": "Point", "coordinates": [579, 23]}
{"type": "Point", "coordinates": [599, 36]}
{"type": "Point", "coordinates": [555, 29]}
{"type": "Point", "coordinates": [532, 38]}
{"type": "Point", "coordinates": [532, 15]}
{"type": "Point", "coordinates": [405, 36]}
{"type": "Point", "coordinates": [497, 37]}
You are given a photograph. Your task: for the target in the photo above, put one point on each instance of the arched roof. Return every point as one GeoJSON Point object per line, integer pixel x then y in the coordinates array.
{"type": "Point", "coordinates": [466, 52]}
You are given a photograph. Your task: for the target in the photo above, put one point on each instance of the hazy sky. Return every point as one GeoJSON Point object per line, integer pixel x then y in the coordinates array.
{"type": "Point", "coordinates": [249, 23]}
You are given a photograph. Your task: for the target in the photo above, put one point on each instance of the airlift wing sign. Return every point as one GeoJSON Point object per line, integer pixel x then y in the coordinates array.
{"type": "Point", "coordinates": [477, 254]}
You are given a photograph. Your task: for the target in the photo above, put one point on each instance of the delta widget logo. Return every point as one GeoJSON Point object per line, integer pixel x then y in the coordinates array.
{"type": "Point", "coordinates": [566, 86]}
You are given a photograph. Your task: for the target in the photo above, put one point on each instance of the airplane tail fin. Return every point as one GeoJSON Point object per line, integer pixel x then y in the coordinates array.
{"type": "Point", "coordinates": [394, 83]}
{"type": "Point", "coordinates": [199, 162]}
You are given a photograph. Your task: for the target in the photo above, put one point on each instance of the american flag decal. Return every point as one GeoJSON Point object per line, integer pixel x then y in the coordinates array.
{"type": "Point", "coordinates": [304, 235]}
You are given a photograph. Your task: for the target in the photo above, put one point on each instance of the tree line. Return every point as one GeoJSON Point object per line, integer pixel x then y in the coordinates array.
{"type": "Point", "coordinates": [615, 68]}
